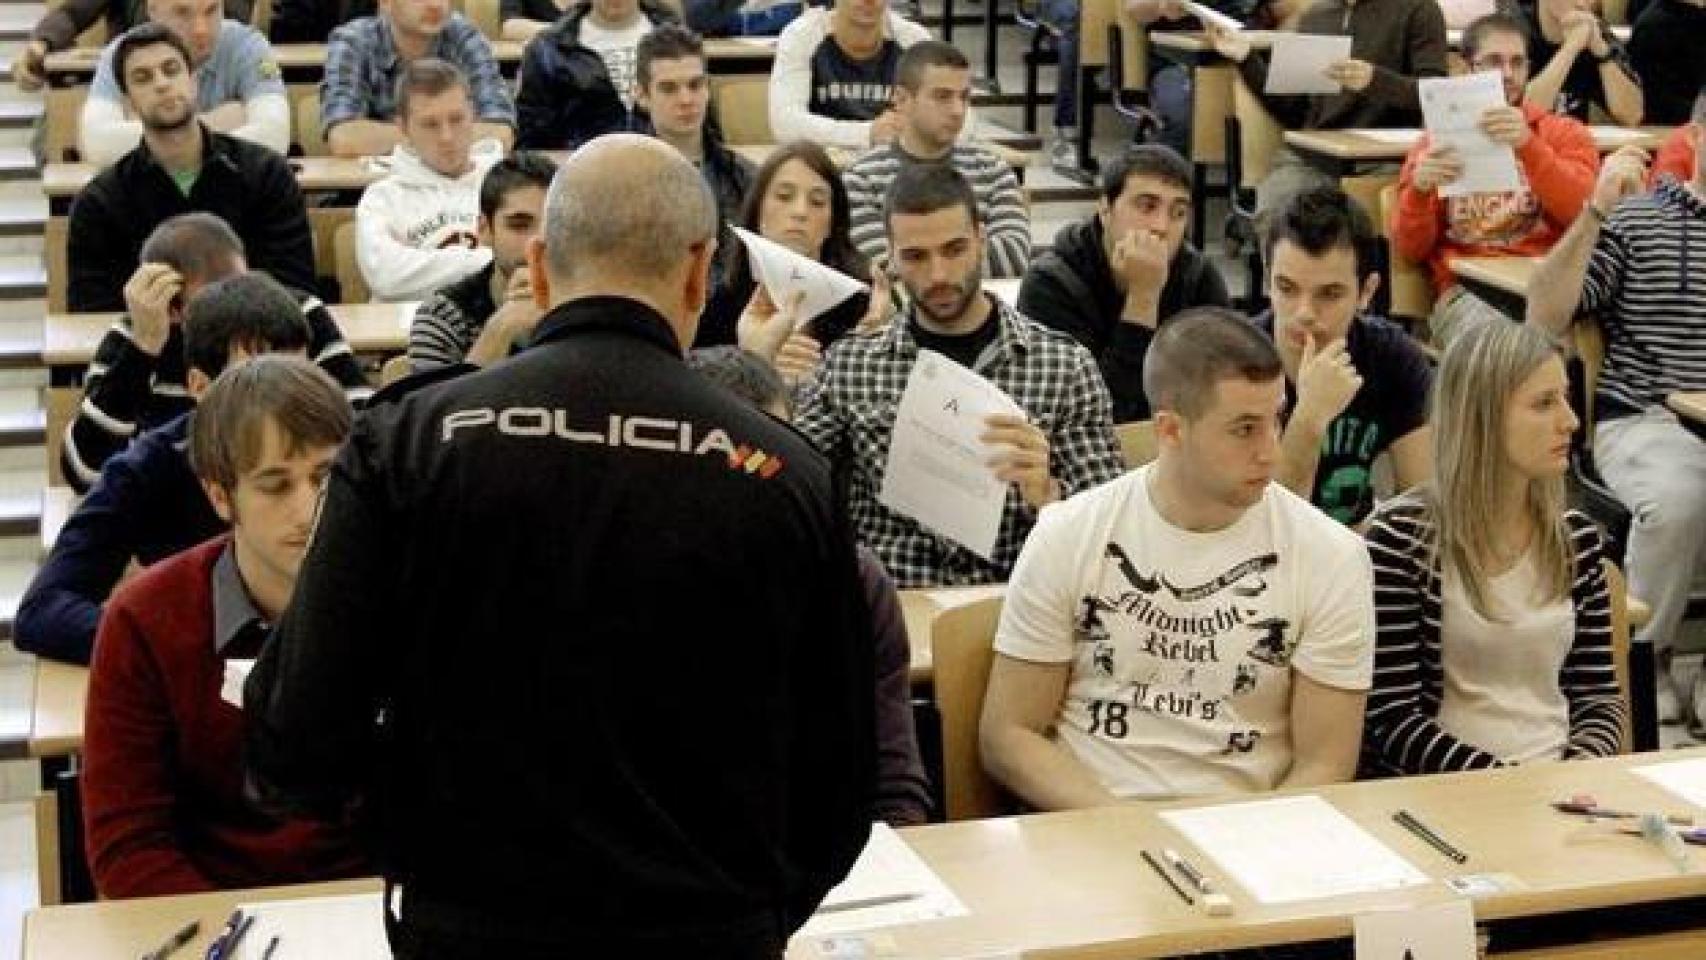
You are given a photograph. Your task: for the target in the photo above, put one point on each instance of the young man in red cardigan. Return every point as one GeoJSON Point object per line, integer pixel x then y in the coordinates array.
{"type": "Point", "coordinates": [164, 804]}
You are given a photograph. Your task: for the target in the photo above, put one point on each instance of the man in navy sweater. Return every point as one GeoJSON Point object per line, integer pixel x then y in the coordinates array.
{"type": "Point", "coordinates": [147, 505]}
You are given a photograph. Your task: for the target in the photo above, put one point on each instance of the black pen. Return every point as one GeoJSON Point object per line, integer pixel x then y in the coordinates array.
{"type": "Point", "coordinates": [272, 946]}
{"type": "Point", "coordinates": [1155, 865]}
{"type": "Point", "coordinates": [175, 942]}
{"type": "Point", "coordinates": [229, 947]}
{"type": "Point", "coordinates": [1408, 821]}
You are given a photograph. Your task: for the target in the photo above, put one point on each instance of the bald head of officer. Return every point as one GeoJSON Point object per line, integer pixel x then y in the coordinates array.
{"type": "Point", "coordinates": [628, 216]}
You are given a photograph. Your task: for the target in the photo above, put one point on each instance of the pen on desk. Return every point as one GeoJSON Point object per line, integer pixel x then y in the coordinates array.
{"type": "Point", "coordinates": [1408, 821]}
{"type": "Point", "coordinates": [1588, 808]}
{"type": "Point", "coordinates": [214, 949]}
{"type": "Point", "coordinates": [1216, 903]}
{"type": "Point", "coordinates": [230, 947]}
{"type": "Point", "coordinates": [1161, 872]}
{"type": "Point", "coordinates": [185, 934]}
{"type": "Point", "coordinates": [272, 947]}
{"type": "Point", "coordinates": [861, 904]}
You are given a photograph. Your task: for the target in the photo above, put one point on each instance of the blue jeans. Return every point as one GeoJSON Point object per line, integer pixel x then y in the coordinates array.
{"type": "Point", "coordinates": [1063, 16]}
{"type": "Point", "coordinates": [1170, 98]}
{"type": "Point", "coordinates": [713, 19]}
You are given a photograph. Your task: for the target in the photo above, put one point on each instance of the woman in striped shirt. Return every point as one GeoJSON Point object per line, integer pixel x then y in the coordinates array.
{"type": "Point", "coordinates": [1494, 617]}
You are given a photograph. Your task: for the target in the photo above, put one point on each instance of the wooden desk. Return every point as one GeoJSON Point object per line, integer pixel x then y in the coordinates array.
{"type": "Point", "coordinates": [1688, 406]}
{"type": "Point", "coordinates": [757, 153]}
{"type": "Point", "coordinates": [1070, 885]}
{"type": "Point", "coordinates": [56, 728]}
{"type": "Point", "coordinates": [1501, 281]}
{"type": "Point", "coordinates": [919, 607]}
{"type": "Point", "coordinates": [1342, 150]}
{"type": "Point", "coordinates": [1182, 44]}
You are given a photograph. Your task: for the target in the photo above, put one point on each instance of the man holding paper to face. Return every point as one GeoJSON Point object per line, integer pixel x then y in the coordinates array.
{"type": "Point", "coordinates": [1556, 163]}
{"type": "Point", "coordinates": [1393, 43]}
{"type": "Point", "coordinates": [1053, 435]}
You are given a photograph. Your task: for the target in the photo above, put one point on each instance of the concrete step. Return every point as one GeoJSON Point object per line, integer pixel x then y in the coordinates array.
{"type": "Point", "coordinates": [18, 163]}
{"type": "Point", "coordinates": [22, 278]}
{"type": "Point", "coordinates": [18, 19]}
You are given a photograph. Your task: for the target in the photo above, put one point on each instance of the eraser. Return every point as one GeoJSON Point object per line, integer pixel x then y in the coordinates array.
{"type": "Point", "coordinates": [1217, 904]}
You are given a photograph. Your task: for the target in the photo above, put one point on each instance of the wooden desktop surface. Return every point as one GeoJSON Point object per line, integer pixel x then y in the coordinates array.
{"type": "Point", "coordinates": [1384, 145]}
{"type": "Point", "coordinates": [69, 339]}
{"type": "Point", "coordinates": [1196, 42]}
{"type": "Point", "coordinates": [1506, 274]}
{"type": "Point", "coordinates": [1071, 885]}
{"type": "Point", "coordinates": [1691, 406]}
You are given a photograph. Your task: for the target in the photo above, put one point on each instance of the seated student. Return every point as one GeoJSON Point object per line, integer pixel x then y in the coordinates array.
{"type": "Point", "coordinates": [903, 790]}
{"type": "Point", "coordinates": [1665, 49]}
{"type": "Point", "coordinates": [1192, 629]}
{"type": "Point", "coordinates": [365, 59]}
{"type": "Point", "coordinates": [1065, 443]}
{"type": "Point", "coordinates": [239, 90]}
{"type": "Point", "coordinates": [1675, 158]}
{"type": "Point", "coordinates": [672, 91]}
{"type": "Point", "coordinates": [416, 229]}
{"type": "Point", "coordinates": [1114, 277]}
{"type": "Point", "coordinates": [797, 200]}
{"type": "Point", "coordinates": [164, 804]}
{"type": "Point", "coordinates": [137, 379]}
{"type": "Point", "coordinates": [833, 80]}
{"type": "Point", "coordinates": [577, 77]}
{"type": "Point", "coordinates": [932, 98]}
{"type": "Point", "coordinates": [1576, 63]}
{"type": "Point", "coordinates": [1632, 261]}
{"type": "Point", "coordinates": [742, 18]}
{"type": "Point", "coordinates": [60, 26]}
{"type": "Point", "coordinates": [463, 322]}
{"type": "Point", "coordinates": [1394, 43]}
{"type": "Point", "coordinates": [1494, 615]}
{"type": "Point", "coordinates": [1356, 385]}
{"type": "Point", "coordinates": [1170, 83]}
{"type": "Point", "coordinates": [312, 21]}
{"type": "Point", "coordinates": [1555, 155]}
{"type": "Point", "coordinates": [181, 166]}
{"type": "Point", "coordinates": [147, 504]}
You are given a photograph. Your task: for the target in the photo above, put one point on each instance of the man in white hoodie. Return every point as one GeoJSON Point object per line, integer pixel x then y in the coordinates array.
{"type": "Point", "coordinates": [417, 229]}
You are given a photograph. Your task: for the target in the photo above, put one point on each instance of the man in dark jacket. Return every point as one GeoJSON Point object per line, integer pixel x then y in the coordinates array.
{"type": "Point", "coordinates": [1114, 278]}
{"type": "Point", "coordinates": [577, 76]}
{"type": "Point", "coordinates": [179, 167]}
{"type": "Point", "coordinates": [600, 508]}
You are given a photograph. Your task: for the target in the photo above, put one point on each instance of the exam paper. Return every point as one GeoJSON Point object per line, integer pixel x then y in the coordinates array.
{"type": "Point", "coordinates": [1293, 848]}
{"type": "Point", "coordinates": [236, 674]}
{"type": "Point", "coordinates": [886, 871]}
{"type": "Point", "coordinates": [785, 274]}
{"type": "Point", "coordinates": [1210, 15]}
{"type": "Point", "coordinates": [348, 928]}
{"type": "Point", "coordinates": [1298, 62]}
{"type": "Point", "coordinates": [1685, 778]}
{"type": "Point", "coordinates": [1440, 931]}
{"type": "Point", "coordinates": [938, 472]}
{"type": "Point", "coordinates": [1452, 108]}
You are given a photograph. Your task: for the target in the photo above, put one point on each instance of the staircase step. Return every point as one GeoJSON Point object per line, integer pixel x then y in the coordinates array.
{"type": "Point", "coordinates": [23, 428]}
{"type": "Point", "coordinates": [19, 114]}
{"type": "Point", "coordinates": [18, 163]}
{"type": "Point", "coordinates": [22, 278]}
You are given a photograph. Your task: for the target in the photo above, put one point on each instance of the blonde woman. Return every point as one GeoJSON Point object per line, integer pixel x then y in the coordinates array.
{"type": "Point", "coordinates": [1494, 642]}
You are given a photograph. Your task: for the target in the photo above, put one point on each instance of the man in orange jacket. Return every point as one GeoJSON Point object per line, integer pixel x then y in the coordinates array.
{"type": "Point", "coordinates": [1555, 156]}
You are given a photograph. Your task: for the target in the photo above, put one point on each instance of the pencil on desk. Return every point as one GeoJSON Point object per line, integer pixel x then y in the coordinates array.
{"type": "Point", "coordinates": [1155, 865]}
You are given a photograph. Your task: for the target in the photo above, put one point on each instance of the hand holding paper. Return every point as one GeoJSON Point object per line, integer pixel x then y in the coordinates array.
{"type": "Point", "coordinates": [785, 274]}
{"type": "Point", "coordinates": [1452, 108]}
{"type": "Point", "coordinates": [1299, 63]}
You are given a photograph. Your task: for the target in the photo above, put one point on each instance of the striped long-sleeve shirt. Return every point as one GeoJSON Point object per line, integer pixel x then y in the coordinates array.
{"type": "Point", "coordinates": [1402, 733]}
{"type": "Point", "coordinates": [1000, 203]}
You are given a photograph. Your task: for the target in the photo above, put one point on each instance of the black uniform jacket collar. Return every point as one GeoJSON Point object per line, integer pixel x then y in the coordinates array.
{"type": "Point", "coordinates": [620, 314]}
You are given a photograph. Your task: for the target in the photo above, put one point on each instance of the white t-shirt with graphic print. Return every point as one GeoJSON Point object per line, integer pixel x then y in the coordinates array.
{"type": "Point", "coordinates": [1182, 644]}
{"type": "Point", "coordinates": [617, 48]}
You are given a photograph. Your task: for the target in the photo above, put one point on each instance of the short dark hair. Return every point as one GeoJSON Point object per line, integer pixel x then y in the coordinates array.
{"type": "Point", "coordinates": [199, 245]}
{"type": "Point", "coordinates": [668, 41]}
{"type": "Point", "coordinates": [523, 168]}
{"type": "Point", "coordinates": [1325, 218]}
{"type": "Point", "coordinates": [1145, 160]}
{"type": "Point", "coordinates": [228, 429]}
{"type": "Point", "coordinates": [140, 37]}
{"type": "Point", "coordinates": [252, 311]}
{"type": "Point", "coordinates": [1197, 349]}
{"type": "Point", "coordinates": [1482, 27]}
{"type": "Point", "coordinates": [921, 188]}
{"type": "Point", "coordinates": [428, 77]}
{"type": "Point", "coordinates": [744, 374]}
{"type": "Point", "coordinates": [923, 55]}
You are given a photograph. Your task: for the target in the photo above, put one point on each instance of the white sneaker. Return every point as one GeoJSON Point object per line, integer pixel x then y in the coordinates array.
{"type": "Point", "coordinates": [1063, 152]}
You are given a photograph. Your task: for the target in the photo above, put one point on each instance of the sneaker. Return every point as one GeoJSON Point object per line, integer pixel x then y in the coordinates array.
{"type": "Point", "coordinates": [1667, 702]}
{"type": "Point", "coordinates": [1063, 152]}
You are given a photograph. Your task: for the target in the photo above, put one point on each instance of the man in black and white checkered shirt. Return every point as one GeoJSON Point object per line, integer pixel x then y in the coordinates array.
{"type": "Point", "coordinates": [1065, 443]}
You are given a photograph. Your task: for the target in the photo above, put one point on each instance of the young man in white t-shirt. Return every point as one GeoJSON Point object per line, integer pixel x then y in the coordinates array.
{"type": "Point", "coordinates": [1193, 628]}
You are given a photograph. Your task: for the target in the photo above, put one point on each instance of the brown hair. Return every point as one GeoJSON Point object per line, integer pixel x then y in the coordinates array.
{"type": "Point", "coordinates": [228, 428]}
{"type": "Point", "coordinates": [427, 77]}
{"type": "Point", "coordinates": [1197, 349]}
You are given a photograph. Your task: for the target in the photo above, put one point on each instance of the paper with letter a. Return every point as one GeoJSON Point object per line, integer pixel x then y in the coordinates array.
{"type": "Point", "coordinates": [785, 274]}
{"type": "Point", "coordinates": [1210, 15]}
{"type": "Point", "coordinates": [938, 471]}
{"type": "Point", "coordinates": [1685, 778]}
{"type": "Point", "coordinates": [348, 928]}
{"type": "Point", "coordinates": [888, 885]}
{"type": "Point", "coordinates": [1452, 108]}
{"type": "Point", "coordinates": [1293, 848]}
{"type": "Point", "coordinates": [1443, 931]}
{"type": "Point", "coordinates": [1298, 62]}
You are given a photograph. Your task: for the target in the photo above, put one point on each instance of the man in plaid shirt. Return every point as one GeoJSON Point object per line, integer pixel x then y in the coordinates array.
{"type": "Point", "coordinates": [366, 56]}
{"type": "Point", "coordinates": [1066, 443]}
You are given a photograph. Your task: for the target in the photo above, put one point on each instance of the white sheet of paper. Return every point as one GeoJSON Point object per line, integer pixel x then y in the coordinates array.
{"type": "Point", "coordinates": [1007, 291]}
{"type": "Point", "coordinates": [1442, 931]}
{"type": "Point", "coordinates": [349, 928]}
{"type": "Point", "coordinates": [1210, 15]}
{"type": "Point", "coordinates": [1452, 108]}
{"type": "Point", "coordinates": [1685, 778]}
{"type": "Point", "coordinates": [1298, 62]}
{"type": "Point", "coordinates": [1405, 138]}
{"type": "Point", "coordinates": [785, 274]}
{"type": "Point", "coordinates": [887, 869]}
{"type": "Point", "coordinates": [236, 674]}
{"type": "Point", "coordinates": [1293, 848]}
{"type": "Point", "coordinates": [937, 472]}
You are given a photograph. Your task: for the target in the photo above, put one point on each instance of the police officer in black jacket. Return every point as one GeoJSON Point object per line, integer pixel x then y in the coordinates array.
{"type": "Point", "coordinates": [624, 593]}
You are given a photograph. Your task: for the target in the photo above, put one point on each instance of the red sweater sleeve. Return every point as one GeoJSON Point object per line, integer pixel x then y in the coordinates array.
{"type": "Point", "coordinates": [128, 797]}
{"type": "Point", "coordinates": [1562, 163]}
{"type": "Point", "coordinates": [1675, 157]}
{"type": "Point", "coordinates": [1416, 219]}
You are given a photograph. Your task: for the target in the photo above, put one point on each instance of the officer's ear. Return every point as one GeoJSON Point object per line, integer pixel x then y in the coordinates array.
{"type": "Point", "coordinates": [536, 272]}
{"type": "Point", "coordinates": [698, 289]}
